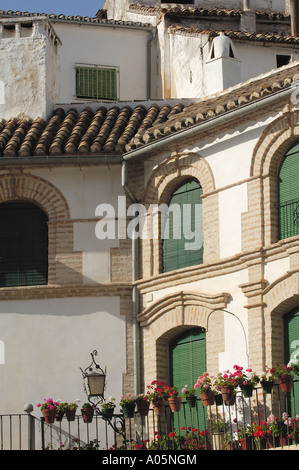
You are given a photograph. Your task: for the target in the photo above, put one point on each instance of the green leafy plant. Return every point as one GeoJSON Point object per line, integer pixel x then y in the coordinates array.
{"type": "Point", "coordinates": [188, 392]}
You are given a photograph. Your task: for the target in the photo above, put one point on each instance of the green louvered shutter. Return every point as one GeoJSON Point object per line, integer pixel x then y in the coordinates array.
{"type": "Point", "coordinates": [96, 83]}
{"type": "Point", "coordinates": [291, 328]}
{"type": "Point", "coordinates": [23, 245]}
{"type": "Point", "coordinates": [187, 363]}
{"type": "Point", "coordinates": [289, 194]}
{"type": "Point", "coordinates": [183, 234]}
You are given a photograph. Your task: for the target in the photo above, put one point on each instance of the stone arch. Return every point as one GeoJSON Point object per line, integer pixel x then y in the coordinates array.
{"type": "Point", "coordinates": [169, 316]}
{"type": "Point", "coordinates": [165, 178]}
{"type": "Point", "coordinates": [263, 214]}
{"type": "Point", "coordinates": [28, 187]}
{"type": "Point", "coordinates": [279, 298]}
{"type": "Point", "coordinates": [31, 188]}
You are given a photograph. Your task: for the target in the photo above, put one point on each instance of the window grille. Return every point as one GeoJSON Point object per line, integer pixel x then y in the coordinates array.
{"type": "Point", "coordinates": [96, 82]}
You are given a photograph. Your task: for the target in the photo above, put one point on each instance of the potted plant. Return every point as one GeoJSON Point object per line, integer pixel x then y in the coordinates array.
{"type": "Point", "coordinates": [127, 404]}
{"type": "Point", "coordinates": [48, 407]}
{"type": "Point", "coordinates": [143, 404]}
{"type": "Point", "coordinates": [204, 382]}
{"type": "Point", "coordinates": [87, 411]}
{"type": "Point", "coordinates": [294, 364]}
{"type": "Point", "coordinates": [158, 396]}
{"type": "Point", "coordinates": [108, 408]}
{"type": "Point", "coordinates": [60, 410]}
{"type": "Point", "coordinates": [190, 396]}
{"type": "Point", "coordinates": [245, 437]}
{"type": "Point", "coordinates": [284, 373]}
{"type": "Point", "coordinates": [246, 379]}
{"type": "Point", "coordinates": [174, 400]}
{"type": "Point", "coordinates": [279, 430]}
{"type": "Point", "coordinates": [267, 380]}
{"type": "Point", "coordinates": [294, 429]}
{"type": "Point", "coordinates": [259, 431]}
{"type": "Point", "coordinates": [226, 383]}
{"type": "Point", "coordinates": [220, 432]}
{"type": "Point", "coordinates": [70, 410]}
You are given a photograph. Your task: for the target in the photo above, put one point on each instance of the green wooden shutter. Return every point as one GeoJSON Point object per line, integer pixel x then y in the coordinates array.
{"type": "Point", "coordinates": [187, 363]}
{"type": "Point", "coordinates": [23, 245]}
{"type": "Point", "coordinates": [289, 194]}
{"type": "Point", "coordinates": [185, 220]}
{"type": "Point", "coordinates": [291, 329]}
{"type": "Point", "coordinates": [96, 83]}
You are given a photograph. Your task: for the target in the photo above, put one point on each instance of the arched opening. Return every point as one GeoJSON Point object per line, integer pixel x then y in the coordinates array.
{"type": "Point", "coordinates": [23, 245]}
{"type": "Point", "coordinates": [183, 231]}
{"type": "Point", "coordinates": [288, 183]}
{"type": "Point", "coordinates": [187, 361]}
{"type": "Point", "coordinates": [291, 337]}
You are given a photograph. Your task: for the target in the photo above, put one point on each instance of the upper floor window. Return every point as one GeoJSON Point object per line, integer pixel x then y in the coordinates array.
{"type": "Point", "coordinates": [23, 245]}
{"type": "Point", "coordinates": [183, 232]}
{"type": "Point", "coordinates": [289, 193]}
{"type": "Point", "coordinates": [96, 82]}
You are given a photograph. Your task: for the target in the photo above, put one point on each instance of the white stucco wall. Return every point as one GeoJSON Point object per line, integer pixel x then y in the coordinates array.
{"type": "Point", "coordinates": [125, 48]}
{"type": "Point", "coordinates": [47, 341]}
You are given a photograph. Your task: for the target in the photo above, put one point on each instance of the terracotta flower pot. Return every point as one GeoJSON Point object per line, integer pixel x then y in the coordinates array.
{"type": "Point", "coordinates": [228, 395]}
{"type": "Point", "coordinates": [246, 443]}
{"type": "Point", "coordinates": [70, 415]}
{"type": "Point", "coordinates": [159, 407]}
{"type": "Point", "coordinates": [59, 415]}
{"type": "Point", "coordinates": [207, 398]}
{"type": "Point", "coordinates": [286, 382]}
{"type": "Point", "coordinates": [49, 415]}
{"type": "Point", "coordinates": [87, 414]}
{"type": "Point", "coordinates": [143, 407]}
{"type": "Point", "coordinates": [175, 404]}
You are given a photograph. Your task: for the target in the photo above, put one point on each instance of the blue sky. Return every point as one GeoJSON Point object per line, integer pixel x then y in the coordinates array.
{"type": "Point", "coordinates": [66, 7]}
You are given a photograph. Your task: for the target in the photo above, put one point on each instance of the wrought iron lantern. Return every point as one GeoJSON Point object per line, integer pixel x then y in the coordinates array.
{"type": "Point", "coordinates": [94, 378]}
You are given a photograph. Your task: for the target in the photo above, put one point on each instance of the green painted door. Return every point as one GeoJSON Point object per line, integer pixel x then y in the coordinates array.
{"type": "Point", "coordinates": [289, 194]}
{"type": "Point", "coordinates": [183, 233]}
{"type": "Point", "coordinates": [187, 363]}
{"type": "Point", "coordinates": [291, 350]}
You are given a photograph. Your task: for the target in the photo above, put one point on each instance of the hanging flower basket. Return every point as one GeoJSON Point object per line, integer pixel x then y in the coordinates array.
{"type": "Point", "coordinates": [59, 415]}
{"type": "Point", "coordinates": [159, 407]}
{"type": "Point", "coordinates": [228, 395]}
{"type": "Point", "coordinates": [207, 398]}
{"type": "Point", "coordinates": [191, 401]}
{"type": "Point", "coordinates": [87, 414]}
{"type": "Point", "coordinates": [267, 386]}
{"type": "Point", "coordinates": [175, 404]}
{"type": "Point", "coordinates": [286, 382]}
{"type": "Point", "coordinates": [247, 390]}
{"type": "Point", "coordinates": [70, 414]}
{"type": "Point", "coordinates": [143, 407]}
{"type": "Point", "coordinates": [218, 399]}
{"type": "Point", "coordinates": [128, 410]}
{"type": "Point", "coordinates": [49, 415]}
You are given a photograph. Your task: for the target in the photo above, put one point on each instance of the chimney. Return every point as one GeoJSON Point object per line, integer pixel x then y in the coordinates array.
{"type": "Point", "coordinates": [248, 18]}
{"type": "Point", "coordinates": [294, 13]}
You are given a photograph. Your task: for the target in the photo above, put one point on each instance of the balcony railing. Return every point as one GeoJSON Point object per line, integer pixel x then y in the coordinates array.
{"type": "Point", "coordinates": [289, 219]}
{"type": "Point", "coordinates": [216, 427]}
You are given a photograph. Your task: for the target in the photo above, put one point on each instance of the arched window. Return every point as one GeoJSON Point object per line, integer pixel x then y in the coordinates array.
{"type": "Point", "coordinates": [291, 328]}
{"type": "Point", "coordinates": [187, 359]}
{"type": "Point", "coordinates": [289, 193]}
{"type": "Point", "coordinates": [183, 231]}
{"type": "Point", "coordinates": [23, 245]}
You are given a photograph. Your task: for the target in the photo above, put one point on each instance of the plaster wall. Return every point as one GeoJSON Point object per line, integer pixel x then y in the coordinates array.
{"type": "Point", "coordinates": [47, 341]}
{"type": "Point", "coordinates": [28, 73]}
{"type": "Point", "coordinates": [103, 46]}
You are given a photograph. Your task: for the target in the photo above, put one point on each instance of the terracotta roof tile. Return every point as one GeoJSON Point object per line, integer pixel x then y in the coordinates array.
{"type": "Point", "coordinates": [118, 129]}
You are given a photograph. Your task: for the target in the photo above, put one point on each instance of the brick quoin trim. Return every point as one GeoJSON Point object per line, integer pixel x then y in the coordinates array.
{"type": "Point", "coordinates": [65, 266]}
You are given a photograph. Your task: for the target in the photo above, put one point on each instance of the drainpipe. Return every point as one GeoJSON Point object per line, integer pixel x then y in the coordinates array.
{"type": "Point", "coordinates": [294, 12]}
{"type": "Point", "coordinates": [135, 295]}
